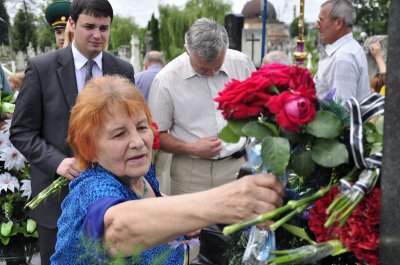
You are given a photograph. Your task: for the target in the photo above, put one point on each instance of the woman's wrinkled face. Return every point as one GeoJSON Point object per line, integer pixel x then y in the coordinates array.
{"type": "Point", "coordinates": [124, 144]}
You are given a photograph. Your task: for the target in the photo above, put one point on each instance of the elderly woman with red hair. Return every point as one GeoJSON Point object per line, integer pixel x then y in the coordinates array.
{"type": "Point", "coordinates": [114, 208]}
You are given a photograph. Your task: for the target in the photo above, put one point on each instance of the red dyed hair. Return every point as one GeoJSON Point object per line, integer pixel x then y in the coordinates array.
{"type": "Point", "coordinates": [93, 104]}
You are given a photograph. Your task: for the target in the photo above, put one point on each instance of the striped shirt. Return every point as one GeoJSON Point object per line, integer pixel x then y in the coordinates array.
{"type": "Point", "coordinates": [344, 68]}
{"type": "Point", "coordinates": [182, 102]}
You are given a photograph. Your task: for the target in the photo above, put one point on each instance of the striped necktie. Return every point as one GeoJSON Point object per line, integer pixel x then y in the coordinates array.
{"type": "Point", "coordinates": [89, 68]}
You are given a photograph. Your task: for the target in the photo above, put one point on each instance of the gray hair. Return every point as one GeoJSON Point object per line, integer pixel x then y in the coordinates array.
{"type": "Point", "coordinates": [207, 38]}
{"type": "Point", "coordinates": [154, 57]}
{"type": "Point", "coordinates": [276, 57]}
{"type": "Point", "coordinates": [342, 9]}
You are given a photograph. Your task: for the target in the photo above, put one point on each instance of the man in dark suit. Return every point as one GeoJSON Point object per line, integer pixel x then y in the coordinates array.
{"type": "Point", "coordinates": [52, 83]}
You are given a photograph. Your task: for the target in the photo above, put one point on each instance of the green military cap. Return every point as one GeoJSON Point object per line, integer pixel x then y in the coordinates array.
{"type": "Point", "coordinates": [57, 13]}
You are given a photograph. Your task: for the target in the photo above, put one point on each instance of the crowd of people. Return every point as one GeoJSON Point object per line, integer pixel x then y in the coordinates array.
{"type": "Point", "coordinates": [83, 114]}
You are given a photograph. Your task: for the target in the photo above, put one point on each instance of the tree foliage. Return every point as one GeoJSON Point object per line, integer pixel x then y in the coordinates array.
{"type": "Point", "coordinates": [294, 28]}
{"type": "Point", "coordinates": [45, 34]}
{"type": "Point", "coordinates": [122, 28]}
{"type": "Point", "coordinates": [23, 30]}
{"type": "Point", "coordinates": [372, 16]}
{"type": "Point", "coordinates": [154, 30]}
{"type": "Point", "coordinates": [174, 22]}
{"type": "Point", "coordinates": [4, 24]}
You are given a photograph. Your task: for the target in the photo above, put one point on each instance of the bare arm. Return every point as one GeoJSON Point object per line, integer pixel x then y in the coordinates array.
{"type": "Point", "coordinates": [207, 147]}
{"type": "Point", "coordinates": [376, 52]}
{"type": "Point", "coordinates": [164, 219]}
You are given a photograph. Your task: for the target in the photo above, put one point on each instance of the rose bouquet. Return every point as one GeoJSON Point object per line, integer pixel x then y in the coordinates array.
{"type": "Point", "coordinates": [323, 148]}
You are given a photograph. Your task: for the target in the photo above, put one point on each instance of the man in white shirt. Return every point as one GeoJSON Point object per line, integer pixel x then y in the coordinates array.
{"type": "Point", "coordinates": [182, 102]}
{"type": "Point", "coordinates": [51, 84]}
{"type": "Point", "coordinates": [344, 69]}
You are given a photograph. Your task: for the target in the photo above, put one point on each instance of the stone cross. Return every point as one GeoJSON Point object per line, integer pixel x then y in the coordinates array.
{"type": "Point", "coordinates": [252, 40]}
{"type": "Point", "coordinates": [251, 44]}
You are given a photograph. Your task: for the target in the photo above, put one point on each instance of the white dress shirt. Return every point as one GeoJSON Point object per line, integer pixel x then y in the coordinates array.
{"type": "Point", "coordinates": [183, 101]}
{"type": "Point", "coordinates": [80, 67]}
{"type": "Point", "coordinates": [344, 68]}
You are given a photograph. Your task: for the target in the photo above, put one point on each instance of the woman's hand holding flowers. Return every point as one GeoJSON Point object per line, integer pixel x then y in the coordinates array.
{"type": "Point", "coordinates": [246, 198]}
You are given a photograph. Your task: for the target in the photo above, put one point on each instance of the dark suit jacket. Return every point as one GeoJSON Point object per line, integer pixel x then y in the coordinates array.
{"type": "Point", "coordinates": [40, 123]}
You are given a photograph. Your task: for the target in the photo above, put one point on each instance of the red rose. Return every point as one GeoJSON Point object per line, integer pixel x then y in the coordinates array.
{"type": "Point", "coordinates": [300, 77]}
{"type": "Point", "coordinates": [279, 74]}
{"type": "Point", "coordinates": [286, 77]}
{"type": "Point", "coordinates": [293, 108]}
{"type": "Point", "coordinates": [249, 98]}
{"type": "Point", "coordinates": [360, 233]}
{"type": "Point", "coordinates": [156, 141]}
{"type": "Point", "coordinates": [241, 100]}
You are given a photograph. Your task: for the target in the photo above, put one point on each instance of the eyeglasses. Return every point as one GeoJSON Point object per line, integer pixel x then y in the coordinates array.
{"type": "Point", "coordinates": [320, 20]}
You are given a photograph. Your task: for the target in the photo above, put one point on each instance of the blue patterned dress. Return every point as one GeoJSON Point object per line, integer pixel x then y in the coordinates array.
{"type": "Point", "coordinates": [92, 187]}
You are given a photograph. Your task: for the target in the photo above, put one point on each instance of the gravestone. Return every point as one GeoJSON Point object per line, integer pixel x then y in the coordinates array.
{"type": "Point", "coordinates": [251, 44]}
{"type": "Point", "coordinates": [234, 25]}
{"type": "Point", "coordinates": [135, 54]}
{"type": "Point", "coordinates": [30, 51]}
{"type": "Point", "coordinates": [390, 181]}
{"type": "Point", "coordinates": [124, 52]}
{"type": "Point", "coordinates": [47, 49]}
{"type": "Point", "coordinates": [20, 61]}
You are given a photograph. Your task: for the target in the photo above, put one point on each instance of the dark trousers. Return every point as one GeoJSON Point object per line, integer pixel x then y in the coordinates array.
{"type": "Point", "coordinates": [47, 243]}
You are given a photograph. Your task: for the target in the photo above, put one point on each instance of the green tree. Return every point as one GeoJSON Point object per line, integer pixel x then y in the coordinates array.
{"type": "Point", "coordinates": [372, 16]}
{"type": "Point", "coordinates": [45, 34]}
{"type": "Point", "coordinates": [122, 28]}
{"type": "Point", "coordinates": [152, 26]}
{"type": "Point", "coordinates": [174, 22]}
{"type": "Point", "coordinates": [294, 28]}
{"type": "Point", "coordinates": [4, 24]}
{"type": "Point", "coordinates": [23, 30]}
{"type": "Point", "coordinates": [215, 9]}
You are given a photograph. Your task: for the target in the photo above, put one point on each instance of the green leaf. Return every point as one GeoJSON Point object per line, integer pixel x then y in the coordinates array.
{"type": "Point", "coordinates": [7, 107]}
{"type": "Point", "coordinates": [6, 228]}
{"type": "Point", "coordinates": [299, 232]}
{"type": "Point", "coordinates": [276, 154]}
{"type": "Point", "coordinates": [4, 240]}
{"type": "Point", "coordinates": [379, 125]}
{"type": "Point", "coordinates": [8, 209]}
{"type": "Point", "coordinates": [374, 138]}
{"type": "Point", "coordinates": [237, 125]}
{"type": "Point", "coordinates": [259, 130]}
{"type": "Point", "coordinates": [302, 163]}
{"type": "Point", "coordinates": [228, 135]}
{"type": "Point", "coordinates": [325, 125]}
{"type": "Point", "coordinates": [294, 137]}
{"type": "Point", "coordinates": [329, 153]}
{"type": "Point", "coordinates": [30, 225]}
{"type": "Point", "coordinates": [274, 89]}
{"type": "Point", "coordinates": [375, 148]}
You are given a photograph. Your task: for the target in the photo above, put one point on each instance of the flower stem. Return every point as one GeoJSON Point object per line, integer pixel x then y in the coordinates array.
{"type": "Point", "coordinates": [44, 194]}
{"type": "Point", "coordinates": [291, 205]}
{"type": "Point", "coordinates": [287, 217]}
{"type": "Point", "coordinates": [347, 214]}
